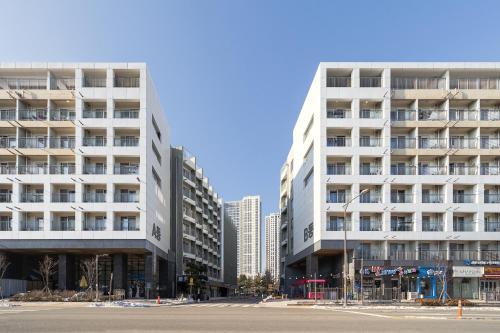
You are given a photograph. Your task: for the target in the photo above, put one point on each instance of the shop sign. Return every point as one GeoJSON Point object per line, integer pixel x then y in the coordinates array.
{"type": "Point", "coordinates": [491, 272]}
{"type": "Point", "coordinates": [468, 271]}
{"type": "Point", "coordinates": [388, 271]}
{"type": "Point", "coordinates": [425, 272]}
{"type": "Point", "coordinates": [482, 262]}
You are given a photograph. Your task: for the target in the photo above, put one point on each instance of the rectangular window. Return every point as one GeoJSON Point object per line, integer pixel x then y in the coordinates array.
{"type": "Point", "coordinates": [157, 129]}
{"type": "Point", "coordinates": [308, 128]}
{"type": "Point", "coordinates": [308, 177]}
{"type": "Point", "coordinates": [156, 177]}
{"type": "Point", "coordinates": [157, 153]}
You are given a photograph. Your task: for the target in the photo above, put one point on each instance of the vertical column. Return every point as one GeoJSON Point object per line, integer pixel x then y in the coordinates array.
{"type": "Point", "coordinates": [65, 276]}
{"type": "Point", "coordinates": [120, 271]}
{"type": "Point", "coordinates": [151, 275]}
{"type": "Point", "coordinates": [311, 265]}
{"type": "Point", "coordinates": [355, 78]}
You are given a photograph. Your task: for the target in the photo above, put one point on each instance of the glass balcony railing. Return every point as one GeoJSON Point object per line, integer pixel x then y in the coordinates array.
{"type": "Point", "coordinates": [463, 114]}
{"type": "Point", "coordinates": [418, 83]}
{"type": "Point", "coordinates": [403, 115]}
{"type": "Point", "coordinates": [370, 113]}
{"type": "Point", "coordinates": [490, 114]}
{"type": "Point", "coordinates": [402, 198]}
{"type": "Point", "coordinates": [127, 82]}
{"type": "Point", "coordinates": [95, 113]}
{"type": "Point", "coordinates": [430, 170]}
{"type": "Point", "coordinates": [432, 226]}
{"type": "Point", "coordinates": [5, 197]}
{"type": "Point", "coordinates": [32, 142]}
{"type": "Point", "coordinates": [339, 141]}
{"type": "Point", "coordinates": [370, 142]}
{"type": "Point", "coordinates": [431, 114]}
{"type": "Point", "coordinates": [32, 169]}
{"type": "Point", "coordinates": [62, 142]}
{"type": "Point", "coordinates": [5, 223]}
{"type": "Point", "coordinates": [32, 225]}
{"type": "Point", "coordinates": [94, 197]}
{"type": "Point", "coordinates": [8, 169]}
{"type": "Point", "coordinates": [126, 197]}
{"type": "Point", "coordinates": [62, 115]}
{"type": "Point", "coordinates": [403, 170]}
{"type": "Point", "coordinates": [462, 170]}
{"type": "Point", "coordinates": [432, 198]}
{"type": "Point", "coordinates": [466, 226]}
{"type": "Point", "coordinates": [63, 83]}
{"type": "Point", "coordinates": [127, 224]}
{"type": "Point", "coordinates": [94, 141]}
{"type": "Point", "coordinates": [490, 143]}
{"type": "Point", "coordinates": [370, 81]}
{"type": "Point", "coordinates": [459, 255]}
{"type": "Point", "coordinates": [126, 169]}
{"type": "Point", "coordinates": [338, 169]}
{"type": "Point", "coordinates": [126, 141]}
{"type": "Point", "coordinates": [432, 143]}
{"type": "Point", "coordinates": [430, 255]}
{"type": "Point", "coordinates": [402, 225]}
{"type": "Point", "coordinates": [493, 170]}
{"type": "Point", "coordinates": [370, 197]}
{"type": "Point", "coordinates": [370, 170]}
{"type": "Point", "coordinates": [492, 226]}
{"type": "Point", "coordinates": [370, 225]}
{"type": "Point", "coordinates": [94, 225]}
{"type": "Point", "coordinates": [126, 113]}
{"type": "Point", "coordinates": [338, 113]}
{"type": "Point", "coordinates": [490, 255]}
{"type": "Point", "coordinates": [8, 142]}
{"type": "Point", "coordinates": [403, 143]}
{"type": "Point", "coordinates": [31, 197]}
{"type": "Point", "coordinates": [92, 169]}
{"type": "Point", "coordinates": [63, 169]}
{"type": "Point", "coordinates": [340, 198]}
{"type": "Point", "coordinates": [464, 198]}
{"type": "Point", "coordinates": [474, 83]}
{"type": "Point", "coordinates": [402, 255]}
{"type": "Point", "coordinates": [338, 225]}
{"type": "Point", "coordinates": [7, 114]}
{"type": "Point", "coordinates": [463, 143]}
{"type": "Point", "coordinates": [491, 198]}
{"type": "Point", "coordinates": [63, 197]}
{"type": "Point", "coordinates": [26, 83]}
{"type": "Point", "coordinates": [338, 81]}
{"type": "Point", "coordinates": [94, 82]}
{"type": "Point", "coordinates": [63, 225]}
{"type": "Point", "coordinates": [33, 114]}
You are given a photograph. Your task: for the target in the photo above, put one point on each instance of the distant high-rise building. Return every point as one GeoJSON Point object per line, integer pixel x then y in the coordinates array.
{"type": "Point", "coordinates": [272, 244]}
{"type": "Point", "coordinates": [246, 215]}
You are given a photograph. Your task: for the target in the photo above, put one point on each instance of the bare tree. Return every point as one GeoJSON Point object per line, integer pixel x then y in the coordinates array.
{"type": "Point", "coordinates": [47, 268]}
{"type": "Point", "coordinates": [88, 268]}
{"type": "Point", "coordinates": [4, 264]}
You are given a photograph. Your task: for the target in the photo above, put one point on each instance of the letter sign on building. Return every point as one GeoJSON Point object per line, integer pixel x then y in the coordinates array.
{"type": "Point", "coordinates": [156, 232]}
{"type": "Point", "coordinates": [308, 232]}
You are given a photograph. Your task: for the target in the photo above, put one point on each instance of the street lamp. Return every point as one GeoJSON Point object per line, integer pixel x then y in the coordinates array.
{"type": "Point", "coordinates": [97, 275]}
{"type": "Point", "coordinates": [345, 243]}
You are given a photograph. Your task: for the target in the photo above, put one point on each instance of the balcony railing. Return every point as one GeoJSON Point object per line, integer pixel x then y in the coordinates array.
{"type": "Point", "coordinates": [403, 115]}
{"type": "Point", "coordinates": [431, 114]}
{"type": "Point", "coordinates": [338, 169]}
{"type": "Point", "coordinates": [491, 198]}
{"type": "Point", "coordinates": [7, 114]}
{"type": "Point", "coordinates": [490, 255]}
{"type": "Point", "coordinates": [403, 170]}
{"type": "Point", "coordinates": [126, 141]}
{"type": "Point", "coordinates": [369, 254]}
{"type": "Point", "coordinates": [8, 169]}
{"type": "Point", "coordinates": [432, 143]}
{"type": "Point", "coordinates": [62, 225]}
{"type": "Point", "coordinates": [31, 225]}
{"type": "Point", "coordinates": [474, 83]}
{"type": "Point", "coordinates": [95, 113]}
{"type": "Point", "coordinates": [62, 114]}
{"type": "Point", "coordinates": [126, 169]}
{"type": "Point", "coordinates": [127, 225]}
{"type": "Point", "coordinates": [94, 82]}
{"type": "Point", "coordinates": [490, 170]}
{"type": "Point", "coordinates": [33, 142]}
{"type": "Point", "coordinates": [467, 170]}
{"type": "Point", "coordinates": [127, 82]}
{"type": "Point", "coordinates": [94, 225]}
{"type": "Point", "coordinates": [430, 170]}
{"type": "Point", "coordinates": [127, 113]}
{"type": "Point", "coordinates": [342, 198]}
{"type": "Point", "coordinates": [492, 226]}
{"type": "Point", "coordinates": [403, 143]}
{"type": "Point", "coordinates": [5, 197]}
{"type": "Point", "coordinates": [62, 169]}
{"type": "Point", "coordinates": [125, 197]}
{"type": "Point", "coordinates": [432, 226]}
{"type": "Point", "coordinates": [402, 198]}
{"type": "Point", "coordinates": [370, 170]}
{"type": "Point", "coordinates": [338, 113]}
{"type": "Point", "coordinates": [370, 81]}
{"type": "Point", "coordinates": [402, 225]}
{"type": "Point", "coordinates": [338, 225]}
{"type": "Point", "coordinates": [402, 255]}
{"type": "Point", "coordinates": [32, 169]}
{"type": "Point", "coordinates": [370, 198]}
{"type": "Point", "coordinates": [31, 197]}
{"type": "Point", "coordinates": [94, 197]}
{"type": "Point", "coordinates": [370, 142]}
{"type": "Point", "coordinates": [490, 114]}
{"type": "Point", "coordinates": [5, 224]}
{"type": "Point", "coordinates": [370, 113]}
{"type": "Point", "coordinates": [62, 142]}
{"type": "Point", "coordinates": [338, 81]}
{"type": "Point", "coordinates": [26, 83]}
{"type": "Point", "coordinates": [63, 83]}
{"type": "Point", "coordinates": [463, 114]}
{"type": "Point", "coordinates": [431, 255]}
{"type": "Point", "coordinates": [460, 255]}
{"type": "Point", "coordinates": [463, 143]}
{"type": "Point", "coordinates": [8, 142]}
{"type": "Point", "coordinates": [63, 197]}
{"type": "Point", "coordinates": [338, 142]}
{"type": "Point", "coordinates": [89, 169]}
{"type": "Point", "coordinates": [33, 114]}
{"type": "Point", "coordinates": [464, 198]}
{"type": "Point", "coordinates": [490, 143]}
{"type": "Point", "coordinates": [432, 198]}
{"type": "Point", "coordinates": [371, 225]}
{"type": "Point", "coordinates": [94, 141]}
{"type": "Point", "coordinates": [418, 83]}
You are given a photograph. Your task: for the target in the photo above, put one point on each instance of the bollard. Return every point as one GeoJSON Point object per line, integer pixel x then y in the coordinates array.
{"type": "Point", "coordinates": [158, 300]}
{"type": "Point", "coordinates": [459, 310]}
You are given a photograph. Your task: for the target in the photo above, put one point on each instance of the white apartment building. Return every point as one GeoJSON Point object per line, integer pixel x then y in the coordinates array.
{"type": "Point", "coordinates": [421, 143]}
{"type": "Point", "coordinates": [272, 225]}
{"type": "Point", "coordinates": [84, 161]}
{"type": "Point", "coordinates": [248, 223]}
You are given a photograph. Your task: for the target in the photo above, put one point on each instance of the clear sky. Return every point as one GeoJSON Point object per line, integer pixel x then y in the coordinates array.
{"type": "Point", "coordinates": [232, 75]}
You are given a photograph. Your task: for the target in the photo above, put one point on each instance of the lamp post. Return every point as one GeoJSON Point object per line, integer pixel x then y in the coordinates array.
{"type": "Point", "coordinates": [344, 275]}
{"type": "Point", "coordinates": [97, 275]}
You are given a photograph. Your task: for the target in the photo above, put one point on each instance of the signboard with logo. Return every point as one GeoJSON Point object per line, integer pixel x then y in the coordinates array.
{"type": "Point", "coordinates": [482, 262]}
{"type": "Point", "coordinates": [468, 271]}
{"type": "Point", "coordinates": [492, 272]}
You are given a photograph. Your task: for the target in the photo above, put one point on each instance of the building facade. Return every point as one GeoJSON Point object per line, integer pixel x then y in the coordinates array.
{"type": "Point", "coordinates": [403, 157]}
{"type": "Point", "coordinates": [197, 225]}
{"type": "Point", "coordinates": [272, 225]}
{"type": "Point", "coordinates": [232, 211]}
{"type": "Point", "coordinates": [230, 258]}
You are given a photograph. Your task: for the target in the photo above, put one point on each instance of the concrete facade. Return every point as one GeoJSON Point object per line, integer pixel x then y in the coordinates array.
{"type": "Point", "coordinates": [272, 237]}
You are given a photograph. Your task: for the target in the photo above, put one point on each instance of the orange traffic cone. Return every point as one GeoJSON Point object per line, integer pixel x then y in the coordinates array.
{"type": "Point", "coordinates": [459, 311]}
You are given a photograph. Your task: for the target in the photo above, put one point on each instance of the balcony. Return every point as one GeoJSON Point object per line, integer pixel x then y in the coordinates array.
{"type": "Point", "coordinates": [432, 198]}
{"type": "Point", "coordinates": [126, 141]}
{"type": "Point", "coordinates": [490, 143]}
{"type": "Point", "coordinates": [338, 81]}
{"type": "Point", "coordinates": [403, 115]}
{"type": "Point", "coordinates": [370, 114]}
{"type": "Point", "coordinates": [490, 255]}
{"type": "Point", "coordinates": [8, 142]}
{"type": "Point", "coordinates": [490, 170]}
{"type": "Point", "coordinates": [492, 226]}
{"type": "Point", "coordinates": [5, 197]}
{"type": "Point", "coordinates": [94, 197]}
{"type": "Point", "coordinates": [94, 141]}
{"type": "Point", "coordinates": [401, 197]}
{"type": "Point", "coordinates": [8, 169]}
{"type": "Point", "coordinates": [459, 255]}
{"type": "Point", "coordinates": [127, 82]}
{"type": "Point", "coordinates": [338, 169]}
{"type": "Point", "coordinates": [432, 143]}
{"type": "Point", "coordinates": [418, 83]}
{"type": "Point", "coordinates": [462, 170]}
{"type": "Point", "coordinates": [370, 225]}
{"type": "Point", "coordinates": [370, 197]}
{"type": "Point", "coordinates": [127, 113]}
{"type": "Point", "coordinates": [338, 113]}
{"type": "Point", "coordinates": [370, 81]}
{"type": "Point", "coordinates": [431, 114]}
{"type": "Point", "coordinates": [89, 169]}
{"type": "Point", "coordinates": [7, 114]}
{"type": "Point", "coordinates": [126, 197]}
{"type": "Point", "coordinates": [26, 83]}
{"type": "Point", "coordinates": [337, 197]}
{"type": "Point", "coordinates": [339, 141]}
{"type": "Point", "coordinates": [431, 170]}
{"type": "Point", "coordinates": [463, 114]}
{"type": "Point", "coordinates": [402, 225]}
{"type": "Point", "coordinates": [402, 255]}
{"type": "Point", "coordinates": [37, 114]}
{"type": "Point", "coordinates": [431, 255]}
{"type": "Point", "coordinates": [474, 83]}
{"type": "Point", "coordinates": [464, 197]}
{"type": "Point", "coordinates": [62, 115]}
{"type": "Point", "coordinates": [463, 143]}
{"type": "Point", "coordinates": [33, 142]}
{"type": "Point", "coordinates": [63, 83]}
{"type": "Point", "coordinates": [63, 224]}
{"type": "Point", "coordinates": [370, 170]}
{"type": "Point", "coordinates": [491, 198]}
{"type": "Point", "coordinates": [464, 226]}
{"type": "Point", "coordinates": [368, 254]}
{"type": "Point", "coordinates": [94, 82]}
{"type": "Point", "coordinates": [63, 197]}
{"type": "Point", "coordinates": [370, 142]}
{"type": "Point", "coordinates": [32, 169]}
{"type": "Point", "coordinates": [403, 143]}
{"type": "Point", "coordinates": [31, 197]}
{"type": "Point", "coordinates": [337, 224]}
{"type": "Point", "coordinates": [432, 225]}
{"type": "Point", "coordinates": [62, 142]}
{"type": "Point", "coordinates": [126, 223]}
{"type": "Point", "coordinates": [403, 170]}
{"type": "Point", "coordinates": [63, 169]}
{"type": "Point", "coordinates": [489, 114]}
{"type": "Point", "coordinates": [95, 113]}
{"type": "Point", "coordinates": [5, 223]}
{"type": "Point", "coordinates": [94, 225]}
{"type": "Point", "coordinates": [126, 169]}
{"type": "Point", "coordinates": [32, 225]}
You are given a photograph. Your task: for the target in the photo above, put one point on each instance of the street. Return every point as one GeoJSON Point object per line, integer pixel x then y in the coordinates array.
{"type": "Point", "coordinates": [243, 317]}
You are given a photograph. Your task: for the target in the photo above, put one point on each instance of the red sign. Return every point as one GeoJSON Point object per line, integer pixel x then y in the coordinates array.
{"type": "Point", "coordinates": [492, 272]}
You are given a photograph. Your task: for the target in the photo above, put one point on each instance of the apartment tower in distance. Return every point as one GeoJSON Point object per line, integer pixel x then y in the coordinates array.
{"type": "Point", "coordinates": [84, 160]}
{"type": "Point", "coordinates": [406, 158]}
{"type": "Point", "coordinates": [248, 227]}
{"type": "Point", "coordinates": [232, 212]}
{"type": "Point", "coordinates": [272, 227]}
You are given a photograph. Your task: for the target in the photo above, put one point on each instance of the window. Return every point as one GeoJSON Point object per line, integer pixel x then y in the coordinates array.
{"type": "Point", "coordinates": [308, 177]}
{"type": "Point", "coordinates": [156, 177]}
{"type": "Point", "coordinates": [308, 128]}
{"type": "Point", "coordinates": [157, 129]}
{"type": "Point", "coordinates": [157, 153]}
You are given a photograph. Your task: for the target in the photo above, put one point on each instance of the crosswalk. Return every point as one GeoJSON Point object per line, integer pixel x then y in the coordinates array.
{"type": "Point", "coordinates": [223, 305]}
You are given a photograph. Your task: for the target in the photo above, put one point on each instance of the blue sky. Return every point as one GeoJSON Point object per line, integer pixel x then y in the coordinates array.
{"type": "Point", "coordinates": [232, 75]}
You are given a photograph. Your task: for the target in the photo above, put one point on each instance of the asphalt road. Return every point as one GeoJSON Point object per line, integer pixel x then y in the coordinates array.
{"type": "Point", "coordinates": [240, 317]}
